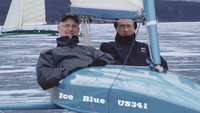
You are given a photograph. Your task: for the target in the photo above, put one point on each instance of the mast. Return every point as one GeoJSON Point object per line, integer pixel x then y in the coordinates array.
{"type": "Point", "coordinates": [151, 22]}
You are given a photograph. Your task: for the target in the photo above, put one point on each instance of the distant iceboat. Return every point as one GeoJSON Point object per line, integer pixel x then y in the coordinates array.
{"type": "Point", "coordinates": [26, 13]}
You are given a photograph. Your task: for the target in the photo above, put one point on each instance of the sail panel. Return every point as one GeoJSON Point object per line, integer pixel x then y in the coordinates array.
{"type": "Point", "coordinates": [12, 19]}
{"type": "Point", "coordinates": [108, 8]}
{"type": "Point", "coordinates": [25, 12]}
{"type": "Point", "coordinates": [33, 12]}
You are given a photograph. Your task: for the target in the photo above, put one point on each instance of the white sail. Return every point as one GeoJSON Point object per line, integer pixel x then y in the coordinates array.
{"type": "Point", "coordinates": [33, 12]}
{"type": "Point", "coordinates": [25, 12]}
{"type": "Point", "coordinates": [12, 19]}
{"type": "Point", "coordinates": [108, 8]}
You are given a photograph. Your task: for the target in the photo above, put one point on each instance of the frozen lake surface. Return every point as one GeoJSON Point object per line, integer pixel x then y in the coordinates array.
{"type": "Point", "coordinates": [179, 46]}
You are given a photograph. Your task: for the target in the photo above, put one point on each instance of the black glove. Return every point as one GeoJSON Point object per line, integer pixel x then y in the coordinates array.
{"type": "Point", "coordinates": [99, 62]}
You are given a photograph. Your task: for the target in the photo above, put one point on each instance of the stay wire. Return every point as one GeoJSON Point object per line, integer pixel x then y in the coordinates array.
{"type": "Point", "coordinates": [123, 65]}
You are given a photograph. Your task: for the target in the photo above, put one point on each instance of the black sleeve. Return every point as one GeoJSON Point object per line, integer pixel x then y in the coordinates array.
{"type": "Point", "coordinates": [163, 62]}
{"type": "Point", "coordinates": [48, 75]}
{"type": "Point", "coordinates": [109, 48]}
{"type": "Point", "coordinates": [102, 58]}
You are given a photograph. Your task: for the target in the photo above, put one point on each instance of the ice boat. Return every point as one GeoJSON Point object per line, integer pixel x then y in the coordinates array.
{"type": "Point", "coordinates": [25, 17]}
{"type": "Point", "coordinates": [117, 89]}
{"type": "Point", "coordinates": [135, 90]}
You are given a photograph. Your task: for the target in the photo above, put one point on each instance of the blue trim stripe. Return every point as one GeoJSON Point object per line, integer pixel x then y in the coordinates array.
{"type": "Point", "coordinates": [106, 13]}
{"type": "Point", "coordinates": [23, 106]}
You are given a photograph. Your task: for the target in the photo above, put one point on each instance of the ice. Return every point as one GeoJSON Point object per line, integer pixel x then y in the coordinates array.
{"type": "Point", "coordinates": [179, 45]}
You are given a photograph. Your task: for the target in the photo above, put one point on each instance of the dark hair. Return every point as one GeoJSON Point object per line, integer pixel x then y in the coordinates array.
{"type": "Point", "coordinates": [71, 16]}
{"type": "Point", "coordinates": [116, 24]}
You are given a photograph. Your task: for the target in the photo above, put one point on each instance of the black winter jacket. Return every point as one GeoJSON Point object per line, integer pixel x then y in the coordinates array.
{"type": "Point", "coordinates": [55, 64]}
{"type": "Point", "coordinates": [120, 48]}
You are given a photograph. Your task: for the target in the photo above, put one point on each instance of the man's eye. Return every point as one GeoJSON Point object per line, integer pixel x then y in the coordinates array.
{"type": "Point", "coordinates": [129, 26]}
{"type": "Point", "coordinates": [122, 26]}
{"type": "Point", "coordinates": [67, 25]}
{"type": "Point", "coordinates": [74, 26]}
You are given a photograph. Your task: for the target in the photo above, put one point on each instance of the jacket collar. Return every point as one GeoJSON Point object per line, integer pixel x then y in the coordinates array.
{"type": "Point", "coordinates": [66, 41]}
{"type": "Point", "coordinates": [124, 39]}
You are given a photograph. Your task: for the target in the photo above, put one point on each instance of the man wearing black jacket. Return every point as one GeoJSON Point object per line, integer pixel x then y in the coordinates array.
{"type": "Point", "coordinates": [123, 40]}
{"type": "Point", "coordinates": [57, 63]}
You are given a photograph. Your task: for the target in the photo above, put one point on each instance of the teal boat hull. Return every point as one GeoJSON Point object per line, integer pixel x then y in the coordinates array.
{"type": "Point", "coordinates": [28, 106]}
{"type": "Point", "coordinates": [136, 89]}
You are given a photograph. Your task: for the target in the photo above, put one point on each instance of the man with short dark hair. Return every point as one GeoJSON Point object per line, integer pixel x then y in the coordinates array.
{"type": "Point", "coordinates": [57, 63]}
{"type": "Point", "coordinates": [123, 41]}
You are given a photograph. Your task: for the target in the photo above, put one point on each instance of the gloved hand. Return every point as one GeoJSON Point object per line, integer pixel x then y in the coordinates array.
{"type": "Point", "coordinates": [99, 62]}
{"type": "Point", "coordinates": [76, 69]}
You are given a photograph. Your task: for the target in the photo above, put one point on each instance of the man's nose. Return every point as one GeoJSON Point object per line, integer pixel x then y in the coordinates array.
{"type": "Point", "coordinates": [125, 28]}
{"type": "Point", "coordinates": [70, 28]}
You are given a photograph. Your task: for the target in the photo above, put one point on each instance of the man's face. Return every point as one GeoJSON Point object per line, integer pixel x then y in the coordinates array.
{"type": "Point", "coordinates": [125, 27]}
{"type": "Point", "coordinates": [68, 28]}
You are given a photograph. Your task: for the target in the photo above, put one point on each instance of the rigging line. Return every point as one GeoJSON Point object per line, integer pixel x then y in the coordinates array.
{"type": "Point", "coordinates": [86, 30]}
{"type": "Point", "coordinates": [87, 38]}
{"type": "Point", "coordinates": [90, 34]}
{"type": "Point", "coordinates": [123, 65]}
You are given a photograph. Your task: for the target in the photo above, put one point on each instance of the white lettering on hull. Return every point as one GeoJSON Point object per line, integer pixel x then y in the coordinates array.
{"type": "Point", "coordinates": [93, 100]}
{"type": "Point", "coordinates": [121, 103]}
{"type": "Point", "coordinates": [66, 96]}
{"type": "Point", "coordinates": [132, 104]}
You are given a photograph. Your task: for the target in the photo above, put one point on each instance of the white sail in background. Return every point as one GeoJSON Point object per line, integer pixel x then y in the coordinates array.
{"type": "Point", "coordinates": [25, 12]}
{"type": "Point", "coordinates": [13, 16]}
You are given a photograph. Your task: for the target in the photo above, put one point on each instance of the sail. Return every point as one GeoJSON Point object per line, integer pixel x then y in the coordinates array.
{"type": "Point", "coordinates": [12, 19]}
{"type": "Point", "coordinates": [33, 12]}
{"type": "Point", "coordinates": [25, 12]}
{"type": "Point", "coordinates": [108, 8]}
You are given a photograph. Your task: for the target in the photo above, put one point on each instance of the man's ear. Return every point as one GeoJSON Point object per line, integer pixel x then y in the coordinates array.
{"type": "Point", "coordinates": [116, 29]}
{"type": "Point", "coordinates": [58, 27]}
{"type": "Point", "coordinates": [135, 25]}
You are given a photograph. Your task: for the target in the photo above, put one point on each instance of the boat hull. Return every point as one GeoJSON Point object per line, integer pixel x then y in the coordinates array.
{"type": "Point", "coordinates": [28, 106]}
{"type": "Point", "coordinates": [18, 32]}
{"type": "Point", "coordinates": [136, 89]}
